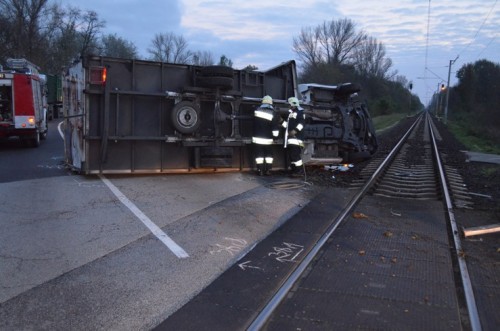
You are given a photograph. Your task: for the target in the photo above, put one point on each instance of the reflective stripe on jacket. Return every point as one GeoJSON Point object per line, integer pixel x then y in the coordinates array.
{"type": "Point", "coordinates": [295, 121]}
{"type": "Point", "coordinates": [262, 141]}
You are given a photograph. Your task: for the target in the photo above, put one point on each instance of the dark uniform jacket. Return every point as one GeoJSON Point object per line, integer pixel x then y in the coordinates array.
{"type": "Point", "coordinates": [295, 122]}
{"type": "Point", "coordinates": [265, 125]}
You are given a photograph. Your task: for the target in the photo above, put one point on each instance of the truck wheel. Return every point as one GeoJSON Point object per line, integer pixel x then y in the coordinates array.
{"type": "Point", "coordinates": [35, 141]}
{"type": "Point", "coordinates": [43, 135]}
{"type": "Point", "coordinates": [216, 77]}
{"type": "Point", "coordinates": [186, 117]}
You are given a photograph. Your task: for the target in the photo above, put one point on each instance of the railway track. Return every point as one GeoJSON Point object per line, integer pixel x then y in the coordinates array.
{"type": "Point", "coordinates": [412, 170]}
{"type": "Point", "coordinates": [390, 258]}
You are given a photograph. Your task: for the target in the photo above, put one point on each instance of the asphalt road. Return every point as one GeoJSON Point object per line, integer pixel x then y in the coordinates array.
{"type": "Point", "coordinates": [120, 252]}
{"type": "Point", "coordinates": [18, 162]}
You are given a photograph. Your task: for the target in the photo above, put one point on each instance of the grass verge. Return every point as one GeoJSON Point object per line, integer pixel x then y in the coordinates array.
{"type": "Point", "coordinates": [386, 121]}
{"type": "Point", "coordinates": [472, 141]}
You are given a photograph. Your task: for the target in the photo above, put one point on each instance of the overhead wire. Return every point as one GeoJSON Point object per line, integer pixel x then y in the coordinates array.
{"type": "Point", "coordinates": [479, 30]}
{"type": "Point", "coordinates": [464, 49]}
{"type": "Point", "coordinates": [426, 68]}
{"type": "Point", "coordinates": [486, 47]}
{"type": "Point", "coordinates": [436, 75]}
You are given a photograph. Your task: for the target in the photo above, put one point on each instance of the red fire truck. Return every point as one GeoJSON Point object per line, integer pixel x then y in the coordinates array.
{"type": "Point", "coordinates": [23, 110]}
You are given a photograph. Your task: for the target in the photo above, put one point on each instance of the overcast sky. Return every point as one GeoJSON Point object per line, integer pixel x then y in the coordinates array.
{"type": "Point", "coordinates": [260, 32]}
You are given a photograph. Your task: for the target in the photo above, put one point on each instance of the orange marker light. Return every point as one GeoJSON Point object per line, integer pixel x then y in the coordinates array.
{"type": "Point", "coordinates": [98, 75]}
{"type": "Point", "coordinates": [104, 74]}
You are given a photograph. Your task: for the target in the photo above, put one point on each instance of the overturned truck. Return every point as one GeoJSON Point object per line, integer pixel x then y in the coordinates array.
{"type": "Point", "coordinates": [134, 116]}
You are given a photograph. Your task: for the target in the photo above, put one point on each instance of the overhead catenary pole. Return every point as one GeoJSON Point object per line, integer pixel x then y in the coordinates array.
{"type": "Point", "coordinates": [438, 100]}
{"type": "Point", "coordinates": [448, 91]}
{"type": "Point", "coordinates": [410, 87]}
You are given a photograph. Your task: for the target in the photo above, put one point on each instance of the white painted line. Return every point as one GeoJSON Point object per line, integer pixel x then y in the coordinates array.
{"type": "Point", "coordinates": [176, 249]}
{"type": "Point", "coordinates": [60, 130]}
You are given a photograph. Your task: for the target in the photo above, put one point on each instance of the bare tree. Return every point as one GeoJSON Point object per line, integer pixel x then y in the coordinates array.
{"type": "Point", "coordinates": [22, 21]}
{"type": "Point", "coordinates": [6, 36]}
{"type": "Point", "coordinates": [370, 59]}
{"type": "Point", "coordinates": [46, 34]}
{"type": "Point", "coordinates": [90, 26]}
{"type": "Point", "coordinates": [114, 46]}
{"type": "Point", "coordinates": [402, 80]}
{"type": "Point", "coordinates": [204, 58]}
{"type": "Point", "coordinates": [305, 45]}
{"type": "Point", "coordinates": [168, 47]}
{"type": "Point", "coordinates": [64, 40]}
{"type": "Point", "coordinates": [332, 42]}
{"type": "Point", "coordinates": [339, 39]}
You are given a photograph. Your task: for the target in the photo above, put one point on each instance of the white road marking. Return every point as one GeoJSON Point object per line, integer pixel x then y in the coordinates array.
{"type": "Point", "coordinates": [176, 249]}
{"type": "Point", "coordinates": [60, 130]}
{"type": "Point", "coordinates": [245, 265]}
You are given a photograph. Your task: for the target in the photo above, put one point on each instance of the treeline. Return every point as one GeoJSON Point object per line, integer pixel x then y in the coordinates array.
{"type": "Point", "coordinates": [52, 36]}
{"type": "Point", "coordinates": [336, 51]}
{"type": "Point", "coordinates": [475, 100]}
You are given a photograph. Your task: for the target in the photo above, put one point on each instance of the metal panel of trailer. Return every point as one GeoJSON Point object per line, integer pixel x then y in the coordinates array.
{"type": "Point", "coordinates": [126, 122]}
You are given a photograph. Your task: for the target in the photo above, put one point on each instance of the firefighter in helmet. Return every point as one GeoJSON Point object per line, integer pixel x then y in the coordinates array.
{"type": "Point", "coordinates": [265, 130]}
{"type": "Point", "coordinates": [294, 135]}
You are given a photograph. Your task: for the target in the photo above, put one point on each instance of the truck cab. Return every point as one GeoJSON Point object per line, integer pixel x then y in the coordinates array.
{"type": "Point", "coordinates": [338, 124]}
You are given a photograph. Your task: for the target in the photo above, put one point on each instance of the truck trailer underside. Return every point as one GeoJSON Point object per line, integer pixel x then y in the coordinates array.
{"type": "Point", "coordinates": [132, 116]}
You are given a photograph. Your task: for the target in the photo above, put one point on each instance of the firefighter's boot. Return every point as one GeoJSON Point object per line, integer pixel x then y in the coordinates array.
{"type": "Point", "coordinates": [296, 171]}
{"type": "Point", "coordinates": [300, 172]}
{"type": "Point", "coordinates": [267, 169]}
{"type": "Point", "coordinates": [260, 169]}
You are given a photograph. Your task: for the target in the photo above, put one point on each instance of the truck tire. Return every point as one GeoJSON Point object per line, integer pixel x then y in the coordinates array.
{"type": "Point", "coordinates": [35, 140]}
{"type": "Point", "coordinates": [186, 117]}
{"type": "Point", "coordinates": [43, 135]}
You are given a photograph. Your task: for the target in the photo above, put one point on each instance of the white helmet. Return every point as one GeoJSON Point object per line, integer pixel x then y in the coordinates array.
{"type": "Point", "coordinates": [293, 101]}
{"type": "Point", "coordinates": [267, 99]}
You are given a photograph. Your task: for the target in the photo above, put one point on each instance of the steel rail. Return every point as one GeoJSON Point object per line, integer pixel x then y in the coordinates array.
{"type": "Point", "coordinates": [288, 284]}
{"type": "Point", "coordinates": [464, 272]}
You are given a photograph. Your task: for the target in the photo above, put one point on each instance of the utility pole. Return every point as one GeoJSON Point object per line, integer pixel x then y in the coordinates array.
{"type": "Point", "coordinates": [448, 91]}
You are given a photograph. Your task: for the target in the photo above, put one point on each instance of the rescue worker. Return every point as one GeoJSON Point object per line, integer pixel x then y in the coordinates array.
{"type": "Point", "coordinates": [265, 130]}
{"type": "Point", "coordinates": [294, 135]}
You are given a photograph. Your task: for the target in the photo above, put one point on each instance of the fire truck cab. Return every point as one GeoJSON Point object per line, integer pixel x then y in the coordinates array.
{"type": "Point", "coordinates": [23, 110]}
